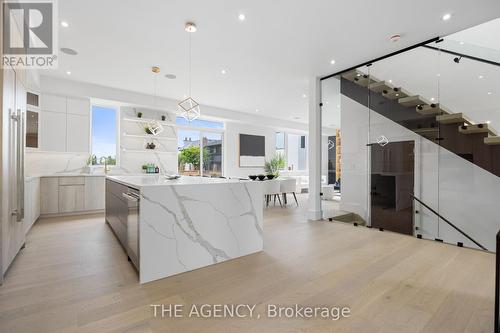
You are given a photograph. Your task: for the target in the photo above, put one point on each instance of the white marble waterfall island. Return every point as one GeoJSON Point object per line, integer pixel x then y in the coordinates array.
{"type": "Point", "coordinates": [172, 226]}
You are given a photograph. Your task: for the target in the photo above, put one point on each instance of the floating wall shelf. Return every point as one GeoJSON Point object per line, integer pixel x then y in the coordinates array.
{"type": "Point", "coordinates": [148, 136]}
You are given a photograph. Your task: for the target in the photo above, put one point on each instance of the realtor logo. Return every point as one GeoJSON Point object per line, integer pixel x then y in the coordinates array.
{"type": "Point", "coordinates": [29, 34]}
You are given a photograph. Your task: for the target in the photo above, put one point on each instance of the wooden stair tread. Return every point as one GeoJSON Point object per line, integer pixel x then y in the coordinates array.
{"type": "Point", "coordinates": [432, 109]}
{"type": "Point", "coordinates": [351, 75]}
{"type": "Point", "coordinates": [478, 128]}
{"type": "Point", "coordinates": [378, 87]}
{"type": "Point", "coordinates": [426, 130]}
{"type": "Point", "coordinates": [492, 140]}
{"type": "Point", "coordinates": [395, 93]}
{"type": "Point", "coordinates": [413, 101]}
{"type": "Point", "coordinates": [453, 118]}
{"type": "Point", "coordinates": [365, 80]}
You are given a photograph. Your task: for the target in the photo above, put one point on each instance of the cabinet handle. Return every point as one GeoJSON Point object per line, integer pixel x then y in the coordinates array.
{"type": "Point", "coordinates": [130, 196]}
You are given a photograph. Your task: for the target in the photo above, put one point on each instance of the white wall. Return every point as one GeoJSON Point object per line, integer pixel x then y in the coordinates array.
{"type": "Point", "coordinates": [459, 190]}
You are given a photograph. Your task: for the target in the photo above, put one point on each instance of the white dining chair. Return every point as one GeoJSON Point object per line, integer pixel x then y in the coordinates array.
{"type": "Point", "coordinates": [288, 185]}
{"type": "Point", "coordinates": [272, 189]}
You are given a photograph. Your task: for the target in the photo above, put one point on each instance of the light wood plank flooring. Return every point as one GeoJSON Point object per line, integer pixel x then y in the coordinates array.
{"type": "Point", "coordinates": [74, 277]}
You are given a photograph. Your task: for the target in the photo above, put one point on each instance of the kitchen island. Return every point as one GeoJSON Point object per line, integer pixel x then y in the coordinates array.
{"type": "Point", "coordinates": [169, 227]}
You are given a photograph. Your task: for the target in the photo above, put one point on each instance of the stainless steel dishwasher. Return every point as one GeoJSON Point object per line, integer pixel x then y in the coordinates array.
{"type": "Point", "coordinates": [132, 241]}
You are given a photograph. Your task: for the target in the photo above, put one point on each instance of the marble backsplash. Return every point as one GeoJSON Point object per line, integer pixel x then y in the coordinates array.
{"type": "Point", "coordinates": [52, 163]}
{"type": "Point", "coordinates": [47, 163]}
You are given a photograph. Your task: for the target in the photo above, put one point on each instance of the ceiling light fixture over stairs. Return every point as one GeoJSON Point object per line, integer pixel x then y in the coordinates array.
{"type": "Point", "coordinates": [188, 107]}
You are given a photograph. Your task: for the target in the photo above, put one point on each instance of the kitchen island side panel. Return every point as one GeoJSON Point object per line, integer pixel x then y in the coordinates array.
{"type": "Point", "coordinates": [186, 227]}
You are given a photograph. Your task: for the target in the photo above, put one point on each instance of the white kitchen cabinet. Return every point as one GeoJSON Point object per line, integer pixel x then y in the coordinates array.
{"type": "Point", "coordinates": [49, 195]}
{"type": "Point", "coordinates": [65, 124]}
{"type": "Point", "coordinates": [31, 202]}
{"type": "Point", "coordinates": [53, 131]}
{"type": "Point", "coordinates": [54, 103]}
{"type": "Point", "coordinates": [77, 138]}
{"type": "Point", "coordinates": [78, 106]}
{"type": "Point", "coordinates": [94, 193]}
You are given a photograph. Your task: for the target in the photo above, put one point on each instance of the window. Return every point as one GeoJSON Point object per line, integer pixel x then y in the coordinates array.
{"type": "Point", "coordinates": [104, 134]}
{"type": "Point", "coordinates": [296, 152]}
{"type": "Point", "coordinates": [200, 146]}
{"type": "Point", "coordinates": [294, 148]}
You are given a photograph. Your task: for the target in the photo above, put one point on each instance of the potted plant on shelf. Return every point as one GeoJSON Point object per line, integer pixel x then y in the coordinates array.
{"type": "Point", "coordinates": [163, 117]}
{"type": "Point", "coordinates": [147, 130]}
{"type": "Point", "coordinates": [150, 145]}
{"type": "Point", "coordinates": [274, 165]}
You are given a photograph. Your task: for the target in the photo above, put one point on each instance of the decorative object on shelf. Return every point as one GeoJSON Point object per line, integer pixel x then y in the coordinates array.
{"type": "Point", "coordinates": [188, 107]}
{"type": "Point", "coordinates": [153, 127]}
{"type": "Point", "coordinates": [261, 177]}
{"type": "Point", "coordinates": [253, 177]}
{"type": "Point", "coordinates": [274, 165]}
{"type": "Point", "coordinates": [252, 150]}
{"type": "Point", "coordinates": [150, 145]}
{"type": "Point", "coordinates": [172, 176]}
{"type": "Point", "coordinates": [270, 176]}
{"type": "Point", "coordinates": [163, 117]}
{"type": "Point", "coordinates": [150, 168]}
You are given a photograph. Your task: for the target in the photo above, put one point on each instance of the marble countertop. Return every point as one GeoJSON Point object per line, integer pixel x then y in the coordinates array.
{"type": "Point", "coordinates": [138, 181]}
{"type": "Point", "coordinates": [31, 177]}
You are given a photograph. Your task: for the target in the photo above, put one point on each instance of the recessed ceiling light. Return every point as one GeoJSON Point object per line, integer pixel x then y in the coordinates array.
{"type": "Point", "coordinates": [257, 110]}
{"type": "Point", "coordinates": [489, 92]}
{"type": "Point", "coordinates": [223, 71]}
{"type": "Point", "coordinates": [64, 24]}
{"type": "Point", "coordinates": [446, 17]}
{"type": "Point", "coordinates": [390, 81]}
{"type": "Point", "coordinates": [170, 76]}
{"type": "Point", "coordinates": [242, 17]}
{"type": "Point", "coordinates": [304, 95]}
{"type": "Point", "coordinates": [488, 122]}
{"type": "Point", "coordinates": [68, 51]}
{"type": "Point", "coordinates": [332, 62]}
{"type": "Point", "coordinates": [480, 77]}
{"type": "Point", "coordinates": [438, 75]}
{"type": "Point", "coordinates": [461, 43]}
{"type": "Point", "coordinates": [68, 72]}
{"type": "Point", "coordinates": [432, 98]}
{"type": "Point", "coordinates": [190, 27]}
{"type": "Point", "coordinates": [395, 38]}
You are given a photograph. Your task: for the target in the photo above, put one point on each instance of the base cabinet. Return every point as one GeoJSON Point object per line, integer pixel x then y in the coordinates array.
{"type": "Point", "coordinates": [71, 194]}
{"type": "Point", "coordinates": [71, 198]}
{"type": "Point", "coordinates": [31, 202]}
{"type": "Point", "coordinates": [49, 195]}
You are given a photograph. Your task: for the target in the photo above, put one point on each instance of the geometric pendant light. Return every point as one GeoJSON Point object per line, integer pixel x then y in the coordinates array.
{"type": "Point", "coordinates": [188, 108]}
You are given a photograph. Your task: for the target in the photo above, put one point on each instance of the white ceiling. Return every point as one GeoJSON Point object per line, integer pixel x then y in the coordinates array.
{"type": "Point", "coordinates": [268, 57]}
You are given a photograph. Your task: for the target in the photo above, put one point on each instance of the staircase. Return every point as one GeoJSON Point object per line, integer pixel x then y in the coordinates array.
{"type": "Point", "coordinates": [478, 143]}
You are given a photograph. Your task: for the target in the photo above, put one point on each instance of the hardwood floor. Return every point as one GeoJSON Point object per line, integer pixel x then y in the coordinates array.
{"type": "Point", "coordinates": [74, 277]}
